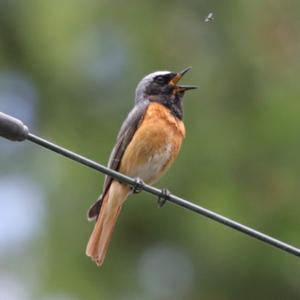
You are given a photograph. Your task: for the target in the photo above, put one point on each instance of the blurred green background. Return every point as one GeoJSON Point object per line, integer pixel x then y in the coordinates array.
{"type": "Point", "coordinates": [69, 70]}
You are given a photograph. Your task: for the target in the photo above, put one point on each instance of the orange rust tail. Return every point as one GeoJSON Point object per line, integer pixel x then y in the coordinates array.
{"type": "Point", "coordinates": [102, 233]}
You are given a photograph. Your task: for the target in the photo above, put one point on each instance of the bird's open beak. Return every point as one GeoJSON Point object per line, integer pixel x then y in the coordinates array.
{"type": "Point", "coordinates": [178, 76]}
{"type": "Point", "coordinates": [183, 88]}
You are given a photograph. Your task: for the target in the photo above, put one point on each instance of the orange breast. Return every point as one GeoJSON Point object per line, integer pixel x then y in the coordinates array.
{"type": "Point", "coordinates": [155, 144]}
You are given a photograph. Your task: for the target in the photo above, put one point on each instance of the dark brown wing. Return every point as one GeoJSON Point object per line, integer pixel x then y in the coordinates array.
{"type": "Point", "coordinates": [125, 135]}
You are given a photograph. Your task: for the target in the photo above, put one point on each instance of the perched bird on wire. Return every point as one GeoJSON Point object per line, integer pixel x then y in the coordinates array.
{"type": "Point", "coordinates": [147, 144]}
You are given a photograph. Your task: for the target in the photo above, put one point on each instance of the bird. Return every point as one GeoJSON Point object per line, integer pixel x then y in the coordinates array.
{"type": "Point", "coordinates": [147, 144]}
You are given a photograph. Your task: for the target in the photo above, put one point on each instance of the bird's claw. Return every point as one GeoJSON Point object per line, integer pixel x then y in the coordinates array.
{"type": "Point", "coordinates": [138, 185]}
{"type": "Point", "coordinates": [163, 197]}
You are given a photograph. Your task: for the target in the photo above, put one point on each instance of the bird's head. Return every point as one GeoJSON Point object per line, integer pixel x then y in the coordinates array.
{"type": "Point", "coordinates": [162, 86]}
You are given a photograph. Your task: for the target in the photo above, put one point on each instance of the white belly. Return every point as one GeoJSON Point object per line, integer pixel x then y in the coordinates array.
{"type": "Point", "coordinates": [154, 165]}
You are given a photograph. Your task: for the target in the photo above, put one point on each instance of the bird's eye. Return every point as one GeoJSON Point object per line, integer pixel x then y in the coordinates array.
{"type": "Point", "coordinates": [160, 79]}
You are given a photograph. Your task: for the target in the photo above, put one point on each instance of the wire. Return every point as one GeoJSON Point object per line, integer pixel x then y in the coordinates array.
{"type": "Point", "coordinates": [14, 130]}
{"type": "Point", "coordinates": [167, 197]}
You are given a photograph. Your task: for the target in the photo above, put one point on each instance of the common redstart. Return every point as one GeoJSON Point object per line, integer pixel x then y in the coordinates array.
{"type": "Point", "coordinates": [147, 144]}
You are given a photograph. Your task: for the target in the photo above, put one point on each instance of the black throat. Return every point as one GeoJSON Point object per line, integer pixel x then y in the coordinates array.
{"type": "Point", "coordinates": [173, 103]}
{"type": "Point", "coordinates": [176, 109]}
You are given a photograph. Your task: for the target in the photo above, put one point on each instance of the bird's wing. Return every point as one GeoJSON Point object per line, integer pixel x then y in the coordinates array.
{"type": "Point", "coordinates": [128, 129]}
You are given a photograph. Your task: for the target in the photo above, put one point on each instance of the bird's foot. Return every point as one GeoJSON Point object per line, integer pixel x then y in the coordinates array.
{"type": "Point", "coordinates": [138, 185]}
{"type": "Point", "coordinates": [163, 197]}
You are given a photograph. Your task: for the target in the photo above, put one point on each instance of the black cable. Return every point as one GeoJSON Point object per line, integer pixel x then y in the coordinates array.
{"type": "Point", "coordinates": [15, 130]}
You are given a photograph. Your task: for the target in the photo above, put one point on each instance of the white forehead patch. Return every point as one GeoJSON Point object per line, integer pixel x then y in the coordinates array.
{"type": "Point", "coordinates": [154, 74]}
{"type": "Point", "coordinates": [145, 81]}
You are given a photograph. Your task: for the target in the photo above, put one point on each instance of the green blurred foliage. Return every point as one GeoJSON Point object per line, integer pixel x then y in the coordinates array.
{"type": "Point", "coordinates": [240, 157]}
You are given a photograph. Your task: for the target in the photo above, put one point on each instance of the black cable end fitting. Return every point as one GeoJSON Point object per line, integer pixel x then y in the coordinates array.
{"type": "Point", "coordinates": [12, 128]}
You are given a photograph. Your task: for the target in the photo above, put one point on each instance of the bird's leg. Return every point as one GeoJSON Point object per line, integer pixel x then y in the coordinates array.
{"type": "Point", "coordinates": [163, 197]}
{"type": "Point", "coordinates": [138, 185]}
